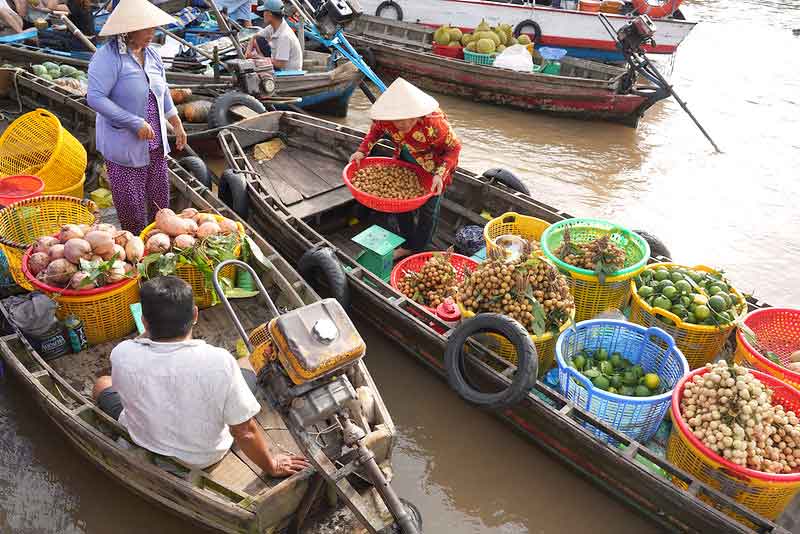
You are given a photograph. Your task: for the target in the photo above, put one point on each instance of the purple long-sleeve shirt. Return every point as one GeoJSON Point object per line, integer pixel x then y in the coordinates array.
{"type": "Point", "coordinates": [118, 91]}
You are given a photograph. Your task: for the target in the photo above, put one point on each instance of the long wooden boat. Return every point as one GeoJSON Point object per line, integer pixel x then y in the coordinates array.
{"type": "Point", "coordinates": [233, 496]}
{"type": "Point", "coordinates": [297, 198]}
{"type": "Point", "coordinates": [584, 89]}
{"type": "Point", "coordinates": [580, 32]}
{"type": "Point", "coordinates": [322, 88]}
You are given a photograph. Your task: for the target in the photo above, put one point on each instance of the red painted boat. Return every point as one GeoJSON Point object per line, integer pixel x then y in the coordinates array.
{"type": "Point", "coordinates": [584, 89]}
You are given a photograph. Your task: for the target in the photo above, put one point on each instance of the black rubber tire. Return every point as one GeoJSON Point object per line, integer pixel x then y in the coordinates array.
{"type": "Point", "coordinates": [219, 114]}
{"type": "Point", "coordinates": [323, 261]}
{"type": "Point", "coordinates": [657, 247]}
{"type": "Point", "coordinates": [537, 30]}
{"type": "Point", "coordinates": [416, 518]}
{"type": "Point", "coordinates": [195, 166]}
{"type": "Point", "coordinates": [527, 366]}
{"type": "Point", "coordinates": [392, 5]}
{"type": "Point", "coordinates": [233, 192]}
{"type": "Point", "coordinates": [508, 179]}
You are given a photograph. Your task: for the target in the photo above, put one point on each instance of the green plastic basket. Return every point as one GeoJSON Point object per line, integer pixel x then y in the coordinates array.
{"type": "Point", "coordinates": [591, 295]}
{"type": "Point", "coordinates": [478, 59]}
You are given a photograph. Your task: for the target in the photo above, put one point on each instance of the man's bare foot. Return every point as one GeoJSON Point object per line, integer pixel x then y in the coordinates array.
{"type": "Point", "coordinates": [400, 253]}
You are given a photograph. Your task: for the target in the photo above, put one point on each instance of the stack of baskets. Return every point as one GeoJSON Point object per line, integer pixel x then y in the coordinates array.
{"type": "Point", "coordinates": [776, 330]}
{"type": "Point", "coordinates": [105, 311]}
{"type": "Point", "coordinates": [652, 348]}
{"type": "Point", "coordinates": [700, 343]}
{"type": "Point", "coordinates": [531, 229]}
{"type": "Point", "coordinates": [203, 295]}
{"type": "Point", "coordinates": [24, 222]}
{"type": "Point", "coordinates": [37, 144]}
{"type": "Point", "coordinates": [764, 493]}
{"type": "Point", "coordinates": [593, 296]}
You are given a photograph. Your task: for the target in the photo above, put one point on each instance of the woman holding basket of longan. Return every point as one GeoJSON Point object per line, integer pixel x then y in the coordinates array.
{"type": "Point", "coordinates": [421, 135]}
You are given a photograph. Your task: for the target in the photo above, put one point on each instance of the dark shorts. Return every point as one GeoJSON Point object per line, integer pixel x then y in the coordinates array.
{"type": "Point", "coordinates": [110, 402]}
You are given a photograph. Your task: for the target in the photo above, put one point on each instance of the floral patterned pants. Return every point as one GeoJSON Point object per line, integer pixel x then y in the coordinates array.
{"type": "Point", "coordinates": [139, 192]}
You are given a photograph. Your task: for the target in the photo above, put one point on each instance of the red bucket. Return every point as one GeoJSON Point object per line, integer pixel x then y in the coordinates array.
{"type": "Point", "coordinates": [21, 187]}
{"type": "Point", "coordinates": [455, 52]}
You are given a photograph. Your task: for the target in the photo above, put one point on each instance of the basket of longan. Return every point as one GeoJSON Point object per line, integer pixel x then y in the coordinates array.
{"type": "Point", "coordinates": [430, 277]}
{"type": "Point", "coordinates": [388, 185]}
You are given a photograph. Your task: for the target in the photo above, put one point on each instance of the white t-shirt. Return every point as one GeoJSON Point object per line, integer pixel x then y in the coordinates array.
{"type": "Point", "coordinates": [285, 45]}
{"type": "Point", "coordinates": [179, 398]}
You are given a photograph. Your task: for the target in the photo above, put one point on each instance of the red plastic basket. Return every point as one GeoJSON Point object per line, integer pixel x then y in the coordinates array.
{"type": "Point", "coordinates": [388, 205]}
{"type": "Point", "coordinates": [776, 330]}
{"type": "Point", "coordinates": [20, 187]}
{"type": "Point", "coordinates": [413, 264]}
{"type": "Point", "coordinates": [53, 290]}
{"type": "Point", "coordinates": [455, 52]}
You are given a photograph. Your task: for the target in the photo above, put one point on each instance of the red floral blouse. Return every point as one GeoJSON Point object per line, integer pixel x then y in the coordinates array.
{"type": "Point", "coordinates": [431, 141]}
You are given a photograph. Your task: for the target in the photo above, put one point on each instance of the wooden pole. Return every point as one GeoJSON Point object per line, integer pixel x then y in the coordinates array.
{"type": "Point", "coordinates": [77, 33]}
{"type": "Point", "coordinates": [222, 21]}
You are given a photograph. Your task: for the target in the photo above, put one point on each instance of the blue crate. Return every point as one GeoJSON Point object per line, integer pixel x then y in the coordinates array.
{"type": "Point", "coordinates": [652, 348]}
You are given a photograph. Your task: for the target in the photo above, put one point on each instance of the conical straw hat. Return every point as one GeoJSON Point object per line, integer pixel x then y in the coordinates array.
{"type": "Point", "coordinates": [133, 15]}
{"type": "Point", "coordinates": [402, 100]}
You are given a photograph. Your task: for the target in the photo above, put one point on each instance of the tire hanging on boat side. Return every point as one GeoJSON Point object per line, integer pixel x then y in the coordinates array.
{"type": "Point", "coordinates": [233, 192]}
{"type": "Point", "coordinates": [508, 179]}
{"type": "Point", "coordinates": [219, 114]}
{"type": "Point", "coordinates": [515, 333]}
{"type": "Point", "coordinates": [537, 30]}
{"type": "Point", "coordinates": [390, 4]}
{"type": "Point", "coordinates": [322, 260]}
{"type": "Point", "coordinates": [195, 166]}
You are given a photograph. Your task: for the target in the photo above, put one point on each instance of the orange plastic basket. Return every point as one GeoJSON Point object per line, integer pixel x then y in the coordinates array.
{"type": "Point", "coordinates": [699, 343]}
{"type": "Point", "coordinates": [105, 311]}
{"type": "Point", "coordinates": [203, 296]}
{"type": "Point", "coordinates": [17, 188]}
{"type": "Point", "coordinates": [766, 494]}
{"type": "Point", "coordinates": [37, 144]}
{"type": "Point", "coordinates": [388, 205]}
{"type": "Point", "coordinates": [777, 330]}
{"type": "Point", "coordinates": [512, 223]}
{"type": "Point", "coordinates": [414, 263]}
{"type": "Point", "coordinates": [25, 221]}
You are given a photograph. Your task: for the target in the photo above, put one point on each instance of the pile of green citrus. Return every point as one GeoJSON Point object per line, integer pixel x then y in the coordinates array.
{"type": "Point", "coordinates": [616, 374]}
{"type": "Point", "coordinates": [696, 297]}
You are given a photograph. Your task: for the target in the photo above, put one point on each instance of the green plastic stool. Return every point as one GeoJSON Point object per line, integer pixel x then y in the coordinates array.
{"type": "Point", "coordinates": [377, 256]}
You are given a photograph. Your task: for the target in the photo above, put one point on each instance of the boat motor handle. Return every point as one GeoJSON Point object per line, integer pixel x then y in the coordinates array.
{"type": "Point", "coordinates": [221, 293]}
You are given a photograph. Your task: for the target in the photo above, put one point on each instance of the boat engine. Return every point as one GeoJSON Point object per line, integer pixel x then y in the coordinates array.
{"type": "Point", "coordinates": [253, 77]}
{"type": "Point", "coordinates": [308, 354]}
{"type": "Point", "coordinates": [331, 16]}
{"type": "Point", "coordinates": [636, 33]}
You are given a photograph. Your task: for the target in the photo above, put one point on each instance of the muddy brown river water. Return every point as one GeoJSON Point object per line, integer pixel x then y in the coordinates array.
{"type": "Point", "coordinates": [740, 72]}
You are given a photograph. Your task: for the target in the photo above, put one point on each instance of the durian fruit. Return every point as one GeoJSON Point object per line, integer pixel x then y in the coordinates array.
{"type": "Point", "coordinates": [455, 35]}
{"type": "Point", "coordinates": [472, 46]}
{"type": "Point", "coordinates": [500, 48]}
{"type": "Point", "coordinates": [455, 44]}
{"type": "Point", "coordinates": [467, 39]}
{"type": "Point", "coordinates": [486, 46]}
{"type": "Point", "coordinates": [442, 35]}
{"type": "Point", "coordinates": [524, 40]}
{"type": "Point", "coordinates": [483, 26]}
{"type": "Point", "coordinates": [511, 40]}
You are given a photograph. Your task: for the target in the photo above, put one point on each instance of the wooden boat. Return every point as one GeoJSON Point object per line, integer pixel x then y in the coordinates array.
{"type": "Point", "coordinates": [233, 496]}
{"type": "Point", "coordinates": [322, 87]}
{"type": "Point", "coordinates": [584, 89]}
{"type": "Point", "coordinates": [580, 32]}
{"type": "Point", "coordinates": [298, 199]}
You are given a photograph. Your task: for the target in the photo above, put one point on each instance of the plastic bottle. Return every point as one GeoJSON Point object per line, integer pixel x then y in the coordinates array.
{"type": "Point", "coordinates": [76, 333]}
{"type": "Point", "coordinates": [449, 313]}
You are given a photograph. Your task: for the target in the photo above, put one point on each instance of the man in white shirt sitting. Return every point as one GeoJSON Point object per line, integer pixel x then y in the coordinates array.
{"type": "Point", "coordinates": [283, 45]}
{"type": "Point", "coordinates": [181, 397]}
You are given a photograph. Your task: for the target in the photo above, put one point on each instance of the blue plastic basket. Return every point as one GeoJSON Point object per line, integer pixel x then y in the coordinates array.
{"type": "Point", "coordinates": [652, 348]}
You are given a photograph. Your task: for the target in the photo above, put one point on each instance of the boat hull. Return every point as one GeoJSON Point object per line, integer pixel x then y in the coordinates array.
{"type": "Point", "coordinates": [580, 32]}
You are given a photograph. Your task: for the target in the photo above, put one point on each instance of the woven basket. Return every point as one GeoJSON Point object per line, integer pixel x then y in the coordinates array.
{"type": "Point", "coordinates": [37, 144]}
{"type": "Point", "coordinates": [203, 295]}
{"type": "Point", "coordinates": [512, 223]}
{"type": "Point", "coordinates": [776, 330]}
{"type": "Point", "coordinates": [24, 222]}
{"type": "Point", "coordinates": [105, 311]}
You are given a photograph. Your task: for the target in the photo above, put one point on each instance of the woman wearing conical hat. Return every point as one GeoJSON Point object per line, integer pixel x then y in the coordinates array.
{"type": "Point", "coordinates": [421, 134]}
{"type": "Point", "coordinates": [128, 90]}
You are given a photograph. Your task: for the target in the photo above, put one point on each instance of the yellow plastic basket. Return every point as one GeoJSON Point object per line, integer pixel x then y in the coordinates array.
{"type": "Point", "coordinates": [203, 296]}
{"type": "Point", "coordinates": [75, 190]}
{"type": "Point", "coordinates": [37, 144]}
{"type": "Point", "coordinates": [261, 340]}
{"type": "Point", "coordinates": [512, 223]}
{"type": "Point", "coordinates": [545, 344]}
{"type": "Point", "coordinates": [764, 493]}
{"type": "Point", "coordinates": [24, 222]}
{"type": "Point", "coordinates": [592, 297]}
{"type": "Point", "coordinates": [699, 343]}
